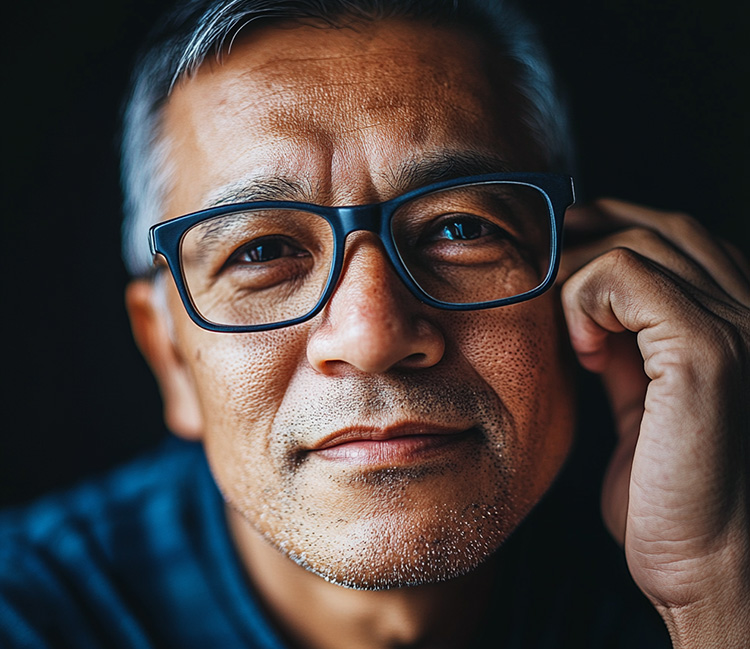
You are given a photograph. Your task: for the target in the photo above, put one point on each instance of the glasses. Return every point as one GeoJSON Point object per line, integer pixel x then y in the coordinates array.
{"type": "Point", "coordinates": [470, 243]}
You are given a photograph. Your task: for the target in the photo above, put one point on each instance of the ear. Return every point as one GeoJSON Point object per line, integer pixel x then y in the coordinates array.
{"type": "Point", "coordinates": [151, 330]}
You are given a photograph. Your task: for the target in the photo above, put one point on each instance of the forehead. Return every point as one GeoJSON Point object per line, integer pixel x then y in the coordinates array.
{"type": "Point", "coordinates": [340, 111]}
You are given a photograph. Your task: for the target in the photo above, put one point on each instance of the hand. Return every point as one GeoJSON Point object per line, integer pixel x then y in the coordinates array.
{"type": "Point", "coordinates": [662, 311]}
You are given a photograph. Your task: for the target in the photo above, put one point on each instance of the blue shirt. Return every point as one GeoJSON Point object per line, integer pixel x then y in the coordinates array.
{"type": "Point", "coordinates": [142, 558]}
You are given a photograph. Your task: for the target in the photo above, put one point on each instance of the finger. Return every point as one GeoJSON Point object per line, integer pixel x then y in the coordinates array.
{"type": "Point", "coordinates": [649, 244]}
{"type": "Point", "coordinates": [679, 330]}
{"type": "Point", "coordinates": [686, 234]}
{"type": "Point", "coordinates": [618, 291]}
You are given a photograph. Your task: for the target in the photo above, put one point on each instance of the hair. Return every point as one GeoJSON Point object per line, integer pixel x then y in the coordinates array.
{"type": "Point", "coordinates": [195, 29]}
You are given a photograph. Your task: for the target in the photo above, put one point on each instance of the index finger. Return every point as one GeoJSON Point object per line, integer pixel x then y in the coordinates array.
{"type": "Point", "coordinates": [685, 233]}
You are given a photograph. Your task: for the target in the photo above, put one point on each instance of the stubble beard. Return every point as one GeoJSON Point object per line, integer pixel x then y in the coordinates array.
{"type": "Point", "coordinates": [385, 528]}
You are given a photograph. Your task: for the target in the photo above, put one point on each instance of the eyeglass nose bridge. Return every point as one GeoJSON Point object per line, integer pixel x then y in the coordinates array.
{"type": "Point", "coordinates": [353, 218]}
{"type": "Point", "coordinates": [362, 218]}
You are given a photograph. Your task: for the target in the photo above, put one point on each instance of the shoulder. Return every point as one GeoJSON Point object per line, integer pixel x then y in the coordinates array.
{"type": "Point", "coordinates": [96, 507]}
{"type": "Point", "coordinates": [73, 556]}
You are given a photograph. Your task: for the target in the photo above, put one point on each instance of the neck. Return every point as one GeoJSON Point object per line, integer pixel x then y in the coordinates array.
{"type": "Point", "coordinates": [315, 614]}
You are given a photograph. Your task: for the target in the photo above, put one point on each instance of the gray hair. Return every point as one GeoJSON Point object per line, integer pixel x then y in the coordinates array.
{"type": "Point", "coordinates": [197, 28]}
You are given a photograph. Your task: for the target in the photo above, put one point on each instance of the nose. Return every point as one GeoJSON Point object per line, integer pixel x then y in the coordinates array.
{"type": "Point", "coordinates": [372, 322]}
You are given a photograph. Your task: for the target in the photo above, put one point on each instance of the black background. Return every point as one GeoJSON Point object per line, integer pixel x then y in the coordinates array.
{"type": "Point", "coordinates": [660, 98]}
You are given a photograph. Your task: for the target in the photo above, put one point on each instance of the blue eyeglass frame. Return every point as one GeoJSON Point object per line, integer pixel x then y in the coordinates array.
{"type": "Point", "coordinates": [165, 239]}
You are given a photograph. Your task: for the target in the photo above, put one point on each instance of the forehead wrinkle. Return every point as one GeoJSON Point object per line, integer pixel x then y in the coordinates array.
{"type": "Point", "coordinates": [384, 116]}
{"type": "Point", "coordinates": [409, 126]}
{"type": "Point", "coordinates": [381, 77]}
{"type": "Point", "coordinates": [384, 95]}
{"type": "Point", "coordinates": [283, 71]}
{"type": "Point", "coordinates": [386, 88]}
{"type": "Point", "coordinates": [272, 61]}
{"type": "Point", "coordinates": [338, 118]}
{"type": "Point", "coordinates": [417, 117]}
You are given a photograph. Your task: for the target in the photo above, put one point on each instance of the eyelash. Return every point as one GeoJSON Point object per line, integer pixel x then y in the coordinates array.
{"type": "Point", "coordinates": [236, 257]}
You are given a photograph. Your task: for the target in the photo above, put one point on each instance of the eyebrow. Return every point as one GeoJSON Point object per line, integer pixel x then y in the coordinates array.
{"type": "Point", "coordinates": [445, 165]}
{"type": "Point", "coordinates": [275, 188]}
{"type": "Point", "coordinates": [411, 174]}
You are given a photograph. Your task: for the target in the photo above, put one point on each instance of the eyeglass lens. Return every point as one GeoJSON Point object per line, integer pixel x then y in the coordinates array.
{"type": "Point", "coordinates": [469, 244]}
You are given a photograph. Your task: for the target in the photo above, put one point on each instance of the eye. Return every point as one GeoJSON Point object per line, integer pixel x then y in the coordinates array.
{"type": "Point", "coordinates": [464, 240]}
{"type": "Point", "coordinates": [265, 250]}
{"type": "Point", "coordinates": [463, 229]}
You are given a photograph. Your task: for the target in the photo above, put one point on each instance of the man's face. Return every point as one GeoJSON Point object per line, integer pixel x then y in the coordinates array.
{"type": "Point", "coordinates": [383, 442]}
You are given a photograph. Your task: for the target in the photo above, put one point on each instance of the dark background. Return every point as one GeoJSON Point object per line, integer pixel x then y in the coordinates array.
{"type": "Point", "coordinates": [660, 98]}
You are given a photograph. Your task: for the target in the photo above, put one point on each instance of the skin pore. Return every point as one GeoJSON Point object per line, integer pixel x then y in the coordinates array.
{"type": "Point", "coordinates": [347, 114]}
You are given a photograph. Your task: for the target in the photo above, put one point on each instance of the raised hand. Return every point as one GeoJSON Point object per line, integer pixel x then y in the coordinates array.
{"type": "Point", "coordinates": [662, 311]}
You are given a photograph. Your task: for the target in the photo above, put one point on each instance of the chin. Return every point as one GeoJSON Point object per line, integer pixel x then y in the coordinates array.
{"type": "Point", "coordinates": [387, 553]}
{"type": "Point", "coordinates": [379, 578]}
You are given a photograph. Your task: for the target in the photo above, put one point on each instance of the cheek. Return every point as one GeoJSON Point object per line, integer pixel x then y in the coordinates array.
{"type": "Point", "coordinates": [517, 351]}
{"type": "Point", "coordinates": [513, 348]}
{"type": "Point", "coordinates": [241, 380]}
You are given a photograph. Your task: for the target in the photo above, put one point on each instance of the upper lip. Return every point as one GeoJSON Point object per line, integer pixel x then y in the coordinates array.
{"type": "Point", "coordinates": [379, 434]}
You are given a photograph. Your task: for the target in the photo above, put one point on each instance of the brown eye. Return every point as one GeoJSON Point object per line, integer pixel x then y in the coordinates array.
{"type": "Point", "coordinates": [266, 249]}
{"type": "Point", "coordinates": [463, 229]}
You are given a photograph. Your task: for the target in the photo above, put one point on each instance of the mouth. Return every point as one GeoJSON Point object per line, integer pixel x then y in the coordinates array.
{"type": "Point", "coordinates": [393, 446]}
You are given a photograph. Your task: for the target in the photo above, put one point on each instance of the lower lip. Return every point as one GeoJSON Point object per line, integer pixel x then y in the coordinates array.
{"type": "Point", "coordinates": [398, 451]}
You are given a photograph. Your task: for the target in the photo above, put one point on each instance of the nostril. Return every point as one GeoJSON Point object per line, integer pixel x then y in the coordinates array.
{"type": "Point", "coordinates": [333, 351]}
{"type": "Point", "coordinates": [414, 360]}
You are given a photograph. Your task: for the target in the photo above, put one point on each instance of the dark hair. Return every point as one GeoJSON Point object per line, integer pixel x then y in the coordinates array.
{"type": "Point", "coordinates": [195, 29]}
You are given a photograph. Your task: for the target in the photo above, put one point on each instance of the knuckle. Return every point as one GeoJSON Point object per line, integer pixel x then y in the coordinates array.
{"type": "Point", "coordinates": [613, 268]}
{"type": "Point", "coordinates": [584, 285]}
{"type": "Point", "coordinates": [625, 258]}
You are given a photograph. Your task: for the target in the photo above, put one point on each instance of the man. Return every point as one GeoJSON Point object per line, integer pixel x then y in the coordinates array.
{"type": "Point", "coordinates": [358, 323]}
